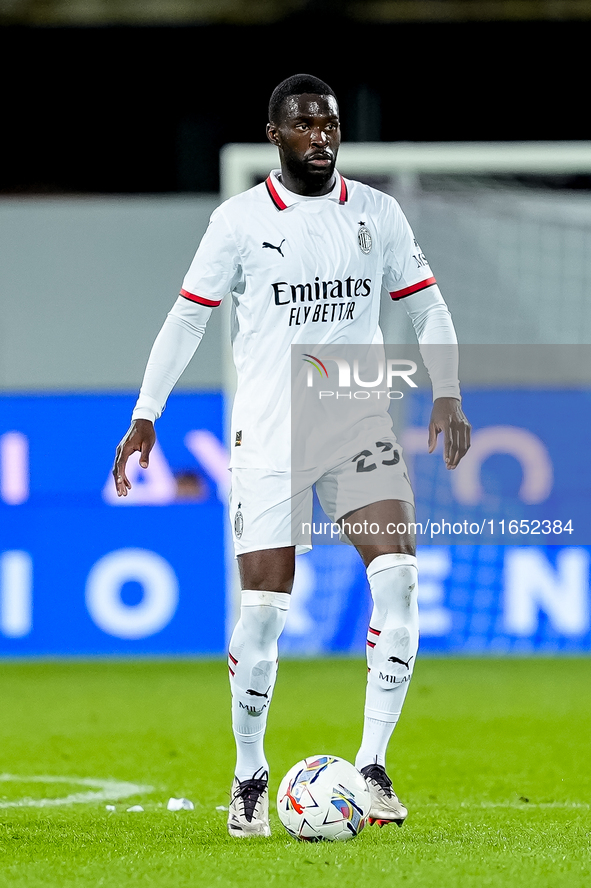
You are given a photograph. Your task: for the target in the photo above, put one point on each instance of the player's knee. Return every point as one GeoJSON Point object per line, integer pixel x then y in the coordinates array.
{"type": "Point", "coordinates": [264, 570]}
{"type": "Point", "coordinates": [394, 586]}
{"type": "Point", "coordinates": [403, 605]}
{"type": "Point", "coordinates": [263, 624]}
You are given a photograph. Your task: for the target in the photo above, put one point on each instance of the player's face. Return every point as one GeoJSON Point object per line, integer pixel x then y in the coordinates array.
{"type": "Point", "coordinates": [308, 136]}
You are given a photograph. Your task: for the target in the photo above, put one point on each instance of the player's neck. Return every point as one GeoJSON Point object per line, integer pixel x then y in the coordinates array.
{"type": "Point", "coordinates": [303, 186]}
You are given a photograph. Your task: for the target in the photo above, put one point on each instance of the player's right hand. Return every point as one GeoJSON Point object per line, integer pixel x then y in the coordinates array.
{"type": "Point", "coordinates": [139, 437]}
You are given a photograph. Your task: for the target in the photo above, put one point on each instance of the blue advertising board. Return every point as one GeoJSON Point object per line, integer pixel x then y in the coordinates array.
{"type": "Point", "coordinates": [472, 600]}
{"type": "Point", "coordinates": [82, 572]}
{"type": "Point", "coordinates": [85, 573]}
{"type": "Point", "coordinates": [503, 540]}
{"type": "Point", "coordinates": [525, 479]}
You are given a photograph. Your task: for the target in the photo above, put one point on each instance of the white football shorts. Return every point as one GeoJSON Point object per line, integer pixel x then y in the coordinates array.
{"type": "Point", "coordinates": [271, 510]}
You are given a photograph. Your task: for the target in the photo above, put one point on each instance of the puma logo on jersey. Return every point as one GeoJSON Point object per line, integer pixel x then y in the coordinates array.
{"type": "Point", "coordinates": [402, 662]}
{"type": "Point", "coordinates": [269, 246]}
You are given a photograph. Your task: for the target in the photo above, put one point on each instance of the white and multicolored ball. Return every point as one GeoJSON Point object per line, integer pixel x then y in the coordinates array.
{"type": "Point", "coordinates": [323, 798]}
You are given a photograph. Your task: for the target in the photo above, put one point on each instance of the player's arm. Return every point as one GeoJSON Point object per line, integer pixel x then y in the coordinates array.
{"type": "Point", "coordinates": [174, 347]}
{"type": "Point", "coordinates": [215, 270]}
{"type": "Point", "coordinates": [438, 344]}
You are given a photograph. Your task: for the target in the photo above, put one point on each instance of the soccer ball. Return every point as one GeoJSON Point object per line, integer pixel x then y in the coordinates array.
{"type": "Point", "coordinates": [323, 798]}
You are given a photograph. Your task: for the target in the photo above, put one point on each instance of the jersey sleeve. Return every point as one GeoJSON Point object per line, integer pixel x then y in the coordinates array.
{"type": "Point", "coordinates": [216, 268]}
{"type": "Point", "coordinates": [406, 269]}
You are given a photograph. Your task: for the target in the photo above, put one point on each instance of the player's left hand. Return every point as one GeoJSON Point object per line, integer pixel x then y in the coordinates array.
{"type": "Point", "coordinates": [448, 417]}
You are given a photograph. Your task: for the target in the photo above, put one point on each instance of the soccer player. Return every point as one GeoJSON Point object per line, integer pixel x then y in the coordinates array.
{"type": "Point", "coordinates": [304, 257]}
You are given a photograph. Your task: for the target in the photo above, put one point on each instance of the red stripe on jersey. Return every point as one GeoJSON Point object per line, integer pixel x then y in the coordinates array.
{"type": "Point", "coordinates": [375, 631]}
{"type": "Point", "coordinates": [344, 193]}
{"type": "Point", "coordinates": [200, 299]}
{"type": "Point", "coordinates": [370, 644]}
{"type": "Point", "coordinates": [232, 673]}
{"type": "Point", "coordinates": [414, 288]}
{"type": "Point", "coordinates": [274, 195]}
{"type": "Point", "coordinates": [233, 659]}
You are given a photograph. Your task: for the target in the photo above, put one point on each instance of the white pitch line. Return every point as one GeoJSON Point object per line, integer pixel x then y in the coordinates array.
{"type": "Point", "coordinates": [108, 790]}
{"type": "Point", "coordinates": [522, 806]}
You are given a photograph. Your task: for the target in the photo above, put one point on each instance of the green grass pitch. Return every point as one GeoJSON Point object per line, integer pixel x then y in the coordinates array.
{"type": "Point", "coordinates": [492, 758]}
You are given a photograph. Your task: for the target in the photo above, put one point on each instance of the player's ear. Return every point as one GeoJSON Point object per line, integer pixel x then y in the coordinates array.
{"type": "Point", "coordinates": [272, 134]}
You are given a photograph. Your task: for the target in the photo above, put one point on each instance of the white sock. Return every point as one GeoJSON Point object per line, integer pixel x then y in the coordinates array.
{"type": "Point", "coordinates": [392, 644]}
{"type": "Point", "coordinates": [252, 660]}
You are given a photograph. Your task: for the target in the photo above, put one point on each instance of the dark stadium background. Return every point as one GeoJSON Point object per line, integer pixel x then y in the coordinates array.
{"type": "Point", "coordinates": [112, 109]}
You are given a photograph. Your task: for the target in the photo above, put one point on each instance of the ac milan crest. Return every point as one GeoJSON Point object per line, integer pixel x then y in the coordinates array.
{"type": "Point", "coordinates": [238, 523]}
{"type": "Point", "coordinates": [364, 238]}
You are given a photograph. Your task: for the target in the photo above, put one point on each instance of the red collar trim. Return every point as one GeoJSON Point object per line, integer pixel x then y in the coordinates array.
{"type": "Point", "coordinates": [273, 194]}
{"type": "Point", "coordinates": [281, 205]}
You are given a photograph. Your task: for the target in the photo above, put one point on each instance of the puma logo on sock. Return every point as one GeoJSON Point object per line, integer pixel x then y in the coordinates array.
{"type": "Point", "coordinates": [266, 694]}
{"type": "Point", "coordinates": [398, 660]}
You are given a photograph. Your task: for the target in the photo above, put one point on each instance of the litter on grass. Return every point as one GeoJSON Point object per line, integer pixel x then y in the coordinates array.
{"type": "Point", "coordinates": [180, 805]}
{"type": "Point", "coordinates": [221, 808]}
{"type": "Point", "coordinates": [134, 808]}
{"type": "Point", "coordinates": [110, 807]}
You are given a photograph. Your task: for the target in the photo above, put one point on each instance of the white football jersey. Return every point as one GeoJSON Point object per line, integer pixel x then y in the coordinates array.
{"type": "Point", "coordinates": [299, 270]}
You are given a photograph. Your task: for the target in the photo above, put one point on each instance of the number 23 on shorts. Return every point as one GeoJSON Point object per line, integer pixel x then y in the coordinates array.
{"type": "Point", "coordinates": [385, 447]}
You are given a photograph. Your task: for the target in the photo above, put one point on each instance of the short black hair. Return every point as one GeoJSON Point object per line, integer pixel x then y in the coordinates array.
{"type": "Point", "coordinates": [296, 85]}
